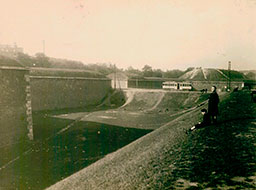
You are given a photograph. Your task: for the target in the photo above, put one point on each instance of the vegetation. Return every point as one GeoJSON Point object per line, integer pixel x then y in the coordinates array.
{"type": "Point", "coordinates": [215, 157]}
{"type": "Point", "coordinates": [6, 61]}
{"type": "Point", "coordinates": [40, 60]}
{"type": "Point", "coordinates": [233, 74]}
{"type": "Point", "coordinates": [148, 71]}
{"type": "Point", "coordinates": [250, 75]}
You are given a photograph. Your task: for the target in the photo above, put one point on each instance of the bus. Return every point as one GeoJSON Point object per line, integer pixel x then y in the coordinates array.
{"type": "Point", "coordinates": [185, 86]}
{"type": "Point", "coordinates": [177, 85]}
{"type": "Point", "coordinates": [170, 85]}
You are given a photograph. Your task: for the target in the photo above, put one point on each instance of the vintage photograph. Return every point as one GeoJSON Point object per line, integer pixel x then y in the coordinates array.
{"type": "Point", "coordinates": [127, 94]}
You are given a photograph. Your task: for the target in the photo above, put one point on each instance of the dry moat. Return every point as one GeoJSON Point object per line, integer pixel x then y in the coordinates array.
{"type": "Point", "coordinates": [68, 141]}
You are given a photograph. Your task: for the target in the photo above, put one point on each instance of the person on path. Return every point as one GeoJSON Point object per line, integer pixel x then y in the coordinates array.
{"type": "Point", "coordinates": [206, 121]}
{"type": "Point", "coordinates": [213, 105]}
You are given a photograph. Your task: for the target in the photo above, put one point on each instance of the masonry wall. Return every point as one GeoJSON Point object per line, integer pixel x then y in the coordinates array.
{"type": "Point", "coordinates": [142, 83]}
{"type": "Point", "coordinates": [199, 85]}
{"type": "Point", "coordinates": [13, 110]}
{"type": "Point", "coordinates": [49, 93]}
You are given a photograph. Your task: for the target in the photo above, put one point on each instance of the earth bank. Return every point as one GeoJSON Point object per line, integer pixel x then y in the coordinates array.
{"type": "Point", "coordinates": [215, 157]}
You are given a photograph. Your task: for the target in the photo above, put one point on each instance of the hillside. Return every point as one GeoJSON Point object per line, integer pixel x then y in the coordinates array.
{"type": "Point", "coordinates": [144, 109]}
{"type": "Point", "coordinates": [215, 157]}
{"type": "Point", "coordinates": [250, 74]}
{"type": "Point", "coordinates": [204, 74]}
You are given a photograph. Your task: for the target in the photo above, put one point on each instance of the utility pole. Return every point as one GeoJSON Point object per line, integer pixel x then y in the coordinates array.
{"type": "Point", "coordinates": [229, 75]}
{"type": "Point", "coordinates": [43, 47]}
{"type": "Point", "coordinates": [115, 76]}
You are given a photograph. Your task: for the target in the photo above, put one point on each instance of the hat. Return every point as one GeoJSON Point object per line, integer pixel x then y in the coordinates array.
{"type": "Point", "coordinates": [204, 110]}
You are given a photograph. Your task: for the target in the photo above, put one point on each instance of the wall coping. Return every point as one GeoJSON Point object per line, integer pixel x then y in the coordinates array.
{"type": "Point", "coordinates": [13, 68]}
{"type": "Point", "coordinates": [67, 78]}
{"type": "Point", "coordinates": [220, 81]}
{"type": "Point", "coordinates": [179, 80]}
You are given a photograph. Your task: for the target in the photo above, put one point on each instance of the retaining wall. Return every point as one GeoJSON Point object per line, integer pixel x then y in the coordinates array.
{"type": "Point", "coordinates": [49, 93]}
{"type": "Point", "coordinates": [147, 84]}
{"type": "Point", "coordinates": [14, 114]}
{"type": "Point", "coordinates": [199, 85]}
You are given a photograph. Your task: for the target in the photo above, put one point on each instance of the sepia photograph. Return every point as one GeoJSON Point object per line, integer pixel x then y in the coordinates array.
{"type": "Point", "coordinates": [127, 94]}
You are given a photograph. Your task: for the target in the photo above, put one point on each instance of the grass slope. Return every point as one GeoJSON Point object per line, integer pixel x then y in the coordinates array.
{"type": "Point", "coordinates": [221, 156]}
{"type": "Point", "coordinates": [212, 75]}
{"type": "Point", "coordinates": [146, 109]}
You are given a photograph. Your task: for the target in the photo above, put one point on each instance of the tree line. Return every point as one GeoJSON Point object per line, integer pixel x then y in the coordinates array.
{"type": "Point", "coordinates": [41, 60]}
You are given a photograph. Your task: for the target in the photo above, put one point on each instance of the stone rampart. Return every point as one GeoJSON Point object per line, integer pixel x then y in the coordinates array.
{"type": "Point", "coordinates": [51, 92]}
{"type": "Point", "coordinates": [14, 113]}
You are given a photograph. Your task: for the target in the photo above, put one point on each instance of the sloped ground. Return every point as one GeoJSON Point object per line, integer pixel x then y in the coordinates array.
{"type": "Point", "coordinates": [212, 75]}
{"type": "Point", "coordinates": [221, 156]}
{"type": "Point", "coordinates": [145, 109]}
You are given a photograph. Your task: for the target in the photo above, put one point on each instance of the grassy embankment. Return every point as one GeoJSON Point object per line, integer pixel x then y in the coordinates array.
{"type": "Point", "coordinates": [216, 157]}
{"type": "Point", "coordinates": [145, 109]}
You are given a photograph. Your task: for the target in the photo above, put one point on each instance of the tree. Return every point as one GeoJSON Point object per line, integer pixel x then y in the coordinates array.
{"type": "Point", "coordinates": [173, 73]}
{"type": "Point", "coordinates": [158, 73]}
{"type": "Point", "coordinates": [25, 59]}
{"type": "Point", "coordinates": [147, 71]}
{"type": "Point", "coordinates": [41, 60]}
{"type": "Point", "coordinates": [134, 73]}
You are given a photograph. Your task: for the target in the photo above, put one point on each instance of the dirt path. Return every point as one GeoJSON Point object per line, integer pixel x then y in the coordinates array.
{"type": "Point", "coordinates": [130, 96]}
{"type": "Point", "coordinates": [161, 96]}
{"type": "Point", "coordinates": [144, 109]}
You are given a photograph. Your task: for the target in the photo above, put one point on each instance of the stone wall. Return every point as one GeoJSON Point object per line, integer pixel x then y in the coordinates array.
{"type": "Point", "coordinates": [13, 110]}
{"type": "Point", "coordinates": [49, 93]}
{"type": "Point", "coordinates": [22, 93]}
{"type": "Point", "coordinates": [147, 84]}
{"type": "Point", "coordinates": [199, 85]}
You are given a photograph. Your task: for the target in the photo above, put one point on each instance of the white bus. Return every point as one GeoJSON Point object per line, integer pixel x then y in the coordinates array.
{"type": "Point", "coordinates": [177, 85]}
{"type": "Point", "coordinates": [170, 85]}
{"type": "Point", "coordinates": [185, 86]}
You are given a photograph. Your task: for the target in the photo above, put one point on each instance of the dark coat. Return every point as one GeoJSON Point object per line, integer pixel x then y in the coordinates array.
{"type": "Point", "coordinates": [213, 104]}
{"type": "Point", "coordinates": [206, 121]}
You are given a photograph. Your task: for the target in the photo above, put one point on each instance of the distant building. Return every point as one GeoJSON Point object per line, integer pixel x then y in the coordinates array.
{"type": "Point", "coordinates": [148, 82]}
{"type": "Point", "coordinates": [118, 80]}
{"type": "Point", "coordinates": [179, 84]}
{"type": "Point", "coordinates": [9, 50]}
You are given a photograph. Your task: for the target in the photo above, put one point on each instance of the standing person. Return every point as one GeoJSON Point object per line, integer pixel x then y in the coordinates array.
{"type": "Point", "coordinates": [213, 105]}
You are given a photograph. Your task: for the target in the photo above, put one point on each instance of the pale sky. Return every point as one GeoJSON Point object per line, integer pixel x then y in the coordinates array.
{"type": "Point", "coordinates": [165, 34]}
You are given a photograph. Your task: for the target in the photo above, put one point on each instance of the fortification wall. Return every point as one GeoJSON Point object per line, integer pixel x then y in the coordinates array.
{"type": "Point", "coordinates": [199, 85]}
{"type": "Point", "coordinates": [147, 84]}
{"type": "Point", "coordinates": [49, 93]}
{"type": "Point", "coordinates": [13, 110]}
